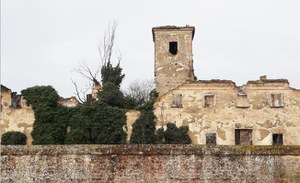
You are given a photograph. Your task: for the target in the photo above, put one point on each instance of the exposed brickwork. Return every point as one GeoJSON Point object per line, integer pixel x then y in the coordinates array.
{"type": "Point", "coordinates": [150, 163]}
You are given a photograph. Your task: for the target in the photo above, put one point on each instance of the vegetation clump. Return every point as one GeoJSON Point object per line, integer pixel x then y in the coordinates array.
{"type": "Point", "coordinates": [13, 138]}
{"type": "Point", "coordinates": [98, 123]}
{"type": "Point", "coordinates": [101, 121]}
{"type": "Point", "coordinates": [175, 135]}
{"type": "Point", "coordinates": [50, 118]}
{"type": "Point", "coordinates": [144, 130]}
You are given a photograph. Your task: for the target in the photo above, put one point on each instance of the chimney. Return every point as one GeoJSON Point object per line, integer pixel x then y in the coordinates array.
{"type": "Point", "coordinates": [88, 99]}
{"type": "Point", "coordinates": [263, 78]}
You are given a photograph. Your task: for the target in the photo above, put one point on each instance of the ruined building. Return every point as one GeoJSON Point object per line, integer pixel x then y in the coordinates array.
{"type": "Point", "coordinates": [262, 112]}
{"type": "Point", "coordinates": [16, 115]}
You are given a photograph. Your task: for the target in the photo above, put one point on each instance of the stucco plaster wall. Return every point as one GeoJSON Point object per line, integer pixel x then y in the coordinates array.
{"type": "Point", "coordinates": [16, 119]}
{"type": "Point", "coordinates": [131, 117]}
{"type": "Point", "coordinates": [225, 117]}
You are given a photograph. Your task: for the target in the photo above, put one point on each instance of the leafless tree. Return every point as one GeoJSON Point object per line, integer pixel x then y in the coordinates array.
{"type": "Point", "coordinates": [139, 90]}
{"type": "Point", "coordinates": [106, 46]}
{"type": "Point", "coordinates": [106, 50]}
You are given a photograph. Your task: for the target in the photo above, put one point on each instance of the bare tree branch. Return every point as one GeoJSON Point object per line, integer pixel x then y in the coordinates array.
{"type": "Point", "coordinates": [80, 94]}
{"type": "Point", "coordinates": [85, 71]}
{"type": "Point", "coordinates": [105, 49]}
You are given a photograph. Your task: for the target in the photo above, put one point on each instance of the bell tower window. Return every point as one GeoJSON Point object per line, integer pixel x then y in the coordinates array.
{"type": "Point", "coordinates": [173, 47]}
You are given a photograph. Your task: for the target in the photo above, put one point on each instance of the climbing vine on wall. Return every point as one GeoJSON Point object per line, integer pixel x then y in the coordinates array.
{"type": "Point", "coordinates": [98, 123]}
{"type": "Point", "coordinates": [50, 119]}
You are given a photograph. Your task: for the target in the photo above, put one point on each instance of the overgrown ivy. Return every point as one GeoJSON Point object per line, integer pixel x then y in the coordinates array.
{"type": "Point", "coordinates": [112, 95]}
{"type": "Point", "coordinates": [101, 122]}
{"type": "Point", "coordinates": [50, 118]}
{"type": "Point", "coordinates": [97, 123]}
{"type": "Point", "coordinates": [113, 74]}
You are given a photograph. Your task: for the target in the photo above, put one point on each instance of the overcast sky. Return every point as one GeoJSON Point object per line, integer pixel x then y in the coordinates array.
{"type": "Point", "coordinates": [42, 41]}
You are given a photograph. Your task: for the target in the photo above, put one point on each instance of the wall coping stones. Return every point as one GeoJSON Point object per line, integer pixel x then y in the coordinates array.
{"type": "Point", "coordinates": [165, 149]}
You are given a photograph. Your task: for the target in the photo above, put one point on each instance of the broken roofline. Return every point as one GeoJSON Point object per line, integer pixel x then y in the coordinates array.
{"type": "Point", "coordinates": [251, 82]}
{"type": "Point", "coordinates": [4, 88]}
{"type": "Point", "coordinates": [230, 83]}
{"type": "Point", "coordinates": [173, 27]}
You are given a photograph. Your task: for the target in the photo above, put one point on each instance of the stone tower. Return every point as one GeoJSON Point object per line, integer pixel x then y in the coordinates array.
{"type": "Point", "coordinates": [173, 57]}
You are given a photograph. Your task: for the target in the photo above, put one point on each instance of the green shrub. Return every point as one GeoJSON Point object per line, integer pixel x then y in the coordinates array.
{"type": "Point", "coordinates": [143, 130]}
{"type": "Point", "coordinates": [78, 136]}
{"type": "Point", "coordinates": [112, 74]}
{"type": "Point", "coordinates": [175, 135]}
{"type": "Point", "coordinates": [160, 136]}
{"type": "Point", "coordinates": [13, 138]}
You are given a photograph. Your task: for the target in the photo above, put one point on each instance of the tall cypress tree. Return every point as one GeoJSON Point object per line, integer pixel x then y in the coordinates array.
{"type": "Point", "coordinates": [143, 130]}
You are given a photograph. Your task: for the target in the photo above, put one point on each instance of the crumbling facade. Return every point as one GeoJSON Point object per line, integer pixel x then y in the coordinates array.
{"type": "Point", "coordinates": [16, 115]}
{"type": "Point", "coordinates": [262, 112]}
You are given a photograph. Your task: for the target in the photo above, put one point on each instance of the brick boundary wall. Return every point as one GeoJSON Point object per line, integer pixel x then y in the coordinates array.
{"type": "Point", "coordinates": [150, 163]}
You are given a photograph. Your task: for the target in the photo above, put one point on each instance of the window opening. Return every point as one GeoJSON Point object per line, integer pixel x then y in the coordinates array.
{"type": "Point", "coordinates": [243, 136]}
{"type": "Point", "coordinates": [173, 48]}
{"type": "Point", "coordinates": [242, 101]}
{"type": "Point", "coordinates": [211, 139]}
{"type": "Point", "coordinates": [15, 100]}
{"type": "Point", "coordinates": [276, 100]}
{"type": "Point", "coordinates": [209, 100]}
{"type": "Point", "coordinates": [177, 101]}
{"type": "Point", "coordinates": [277, 139]}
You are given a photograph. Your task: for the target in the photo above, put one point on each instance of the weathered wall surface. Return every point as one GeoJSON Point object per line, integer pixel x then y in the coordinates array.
{"type": "Point", "coordinates": [224, 116]}
{"type": "Point", "coordinates": [68, 102]}
{"type": "Point", "coordinates": [16, 119]}
{"type": "Point", "coordinates": [150, 163]}
{"type": "Point", "coordinates": [131, 117]}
